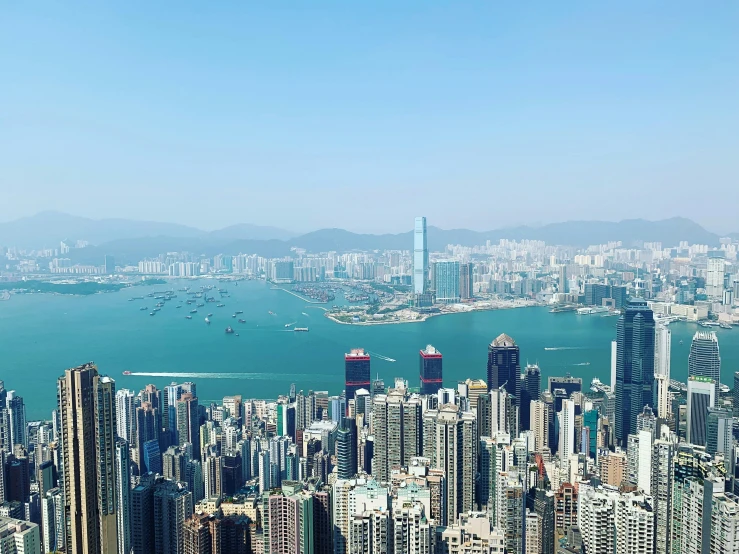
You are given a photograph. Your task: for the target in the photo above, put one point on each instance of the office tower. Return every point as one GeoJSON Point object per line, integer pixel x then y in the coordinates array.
{"type": "Point", "coordinates": [148, 423]}
{"type": "Point", "coordinates": [735, 394]}
{"type": "Point", "coordinates": [357, 372]}
{"type": "Point", "coordinates": [87, 441]}
{"type": "Point", "coordinates": [142, 515]}
{"type": "Point", "coordinates": [172, 506]}
{"type": "Point", "coordinates": [563, 288]}
{"type": "Point", "coordinates": [715, 270]}
{"type": "Point", "coordinates": [566, 430]}
{"type": "Point", "coordinates": [52, 520]}
{"type": "Point", "coordinates": [719, 432]}
{"type": "Point", "coordinates": [123, 495]}
{"type": "Point", "coordinates": [188, 422]}
{"type": "Point", "coordinates": [453, 449]}
{"type": "Point", "coordinates": [109, 264]}
{"type": "Point", "coordinates": [46, 477]}
{"type": "Point", "coordinates": [265, 481]}
{"type": "Point", "coordinates": [614, 364]}
{"type": "Point", "coordinates": [420, 258]}
{"type": "Point", "coordinates": [378, 387]}
{"type": "Point", "coordinates": [16, 419]}
{"type": "Point", "coordinates": [634, 366]}
{"type": "Point", "coordinates": [704, 359]}
{"type": "Point", "coordinates": [701, 397]}
{"type": "Point", "coordinates": [529, 391]}
{"type": "Point", "coordinates": [397, 431]}
{"type": "Point", "coordinates": [431, 373]}
{"type": "Point", "coordinates": [539, 424]}
{"type": "Point", "coordinates": [125, 420]}
{"type": "Point", "coordinates": [446, 275]}
{"type": "Point", "coordinates": [504, 368]}
{"type": "Point", "coordinates": [19, 536]}
{"type": "Point", "coordinates": [346, 448]}
{"type": "Point", "coordinates": [466, 281]}
{"type": "Point", "coordinates": [151, 458]}
{"type": "Point", "coordinates": [590, 422]}
{"type": "Point", "coordinates": [17, 475]}
{"type": "Point", "coordinates": [172, 394]}
{"type": "Point", "coordinates": [194, 480]}
{"type": "Point", "coordinates": [568, 384]}
{"type": "Point", "coordinates": [662, 346]}
{"type": "Point", "coordinates": [596, 520]}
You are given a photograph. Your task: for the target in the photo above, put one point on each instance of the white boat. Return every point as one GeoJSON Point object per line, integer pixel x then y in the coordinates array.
{"type": "Point", "coordinates": [207, 321]}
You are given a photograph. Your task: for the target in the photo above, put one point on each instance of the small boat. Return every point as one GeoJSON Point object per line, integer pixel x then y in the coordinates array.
{"type": "Point", "coordinates": [305, 314]}
{"type": "Point", "coordinates": [301, 329]}
{"type": "Point", "coordinates": [193, 311]}
{"type": "Point", "coordinates": [242, 321]}
{"type": "Point", "coordinates": [239, 311]}
{"type": "Point", "coordinates": [681, 342]}
{"type": "Point", "coordinates": [126, 372]}
{"type": "Point", "coordinates": [271, 312]}
{"type": "Point", "coordinates": [143, 308]}
{"type": "Point", "coordinates": [152, 313]}
{"type": "Point", "coordinates": [233, 315]}
{"type": "Point", "coordinates": [188, 317]}
{"type": "Point", "coordinates": [229, 330]}
{"type": "Point", "coordinates": [200, 305]}
{"type": "Point", "coordinates": [207, 321]}
{"type": "Point", "coordinates": [725, 325]}
{"type": "Point", "coordinates": [220, 305]}
{"type": "Point", "coordinates": [236, 334]}
{"type": "Point", "coordinates": [178, 306]}
{"type": "Point", "coordinates": [288, 325]}
{"type": "Point", "coordinates": [210, 315]}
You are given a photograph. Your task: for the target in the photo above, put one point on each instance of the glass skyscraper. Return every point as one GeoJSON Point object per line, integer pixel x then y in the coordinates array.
{"type": "Point", "coordinates": [420, 257]}
{"type": "Point", "coordinates": [704, 359]}
{"type": "Point", "coordinates": [634, 366]}
{"type": "Point", "coordinates": [446, 278]}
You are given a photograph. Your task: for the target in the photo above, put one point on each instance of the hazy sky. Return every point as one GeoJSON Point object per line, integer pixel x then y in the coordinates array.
{"type": "Point", "coordinates": [364, 114]}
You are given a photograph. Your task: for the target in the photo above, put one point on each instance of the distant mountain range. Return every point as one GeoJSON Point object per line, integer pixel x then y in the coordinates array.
{"type": "Point", "coordinates": [48, 229]}
{"type": "Point", "coordinates": [130, 241]}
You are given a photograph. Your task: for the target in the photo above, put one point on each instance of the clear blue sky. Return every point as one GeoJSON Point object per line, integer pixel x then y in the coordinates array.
{"type": "Point", "coordinates": [363, 115]}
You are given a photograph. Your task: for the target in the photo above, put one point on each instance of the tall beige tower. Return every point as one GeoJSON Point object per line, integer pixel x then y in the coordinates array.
{"type": "Point", "coordinates": [87, 435]}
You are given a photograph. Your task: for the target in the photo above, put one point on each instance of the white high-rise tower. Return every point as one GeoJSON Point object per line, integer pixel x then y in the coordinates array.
{"type": "Point", "coordinates": [420, 257]}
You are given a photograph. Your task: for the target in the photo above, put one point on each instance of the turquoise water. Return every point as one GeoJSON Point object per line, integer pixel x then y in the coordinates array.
{"type": "Point", "coordinates": [41, 335]}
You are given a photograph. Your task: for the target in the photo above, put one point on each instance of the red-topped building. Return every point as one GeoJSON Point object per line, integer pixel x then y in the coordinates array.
{"type": "Point", "coordinates": [357, 372]}
{"type": "Point", "coordinates": [431, 375]}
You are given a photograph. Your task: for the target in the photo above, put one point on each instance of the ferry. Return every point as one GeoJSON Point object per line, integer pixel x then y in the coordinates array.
{"type": "Point", "coordinates": [558, 309]}
{"type": "Point", "coordinates": [301, 329]}
{"type": "Point", "coordinates": [229, 330]}
{"type": "Point", "coordinates": [592, 310]}
{"type": "Point", "coordinates": [725, 325]}
{"type": "Point", "coordinates": [126, 372]}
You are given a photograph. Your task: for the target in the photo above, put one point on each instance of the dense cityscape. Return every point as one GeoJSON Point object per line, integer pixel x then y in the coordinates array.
{"type": "Point", "coordinates": [506, 464]}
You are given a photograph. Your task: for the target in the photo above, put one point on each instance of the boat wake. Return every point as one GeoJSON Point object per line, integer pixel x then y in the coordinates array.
{"type": "Point", "coordinates": [256, 376]}
{"type": "Point", "coordinates": [582, 363]}
{"type": "Point", "coordinates": [550, 348]}
{"type": "Point", "coordinates": [381, 357]}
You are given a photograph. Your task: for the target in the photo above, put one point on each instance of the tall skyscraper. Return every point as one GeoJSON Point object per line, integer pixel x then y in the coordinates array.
{"type": "Point", "coordinates": [466, 281]}
{"type": "Point", "coordinates": [123, 495]}
{"type": "Point", "coordinates": [420, 257]}
{"type": "Point", "coordinates": [125, 420]}
{"type": "Point", "coordinates": [87, 440]}
{"type": "Point", "coordinates": [504, 367]}
{"type": "Point", "coordinates": [449, 442]}
{"type": "Point", "coordinates": [346, 448]}
{"type": "Point", "coordinates": [701, 397]}
{"type": "Point", "coordinates": [634, 366]}
{"type": "Point", "coordinates": [704, 359]}
{"type": "Point", "coordinates": [446, 273]}
{"type": "Point", "coordinates": [719, 432]}
{"type": "Point", "coordinates": [566, 430]}
{"type": "Point", "coordinates": [431, 370]}
{"type": "Point", "coordinates": [529, 392]}
{"type": "Point", "coordinates": [563, 288]}
{"type": "Point", "coordinates": [357, 372]}
{"type": "Point", "coordinates": [715, 270]}
{"type": "Point", "coordinates": [397, 432]}
{"type": "Point", "coordinates": [188, 422]}
{"type": "Point", "coordinates": [16, 419]}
